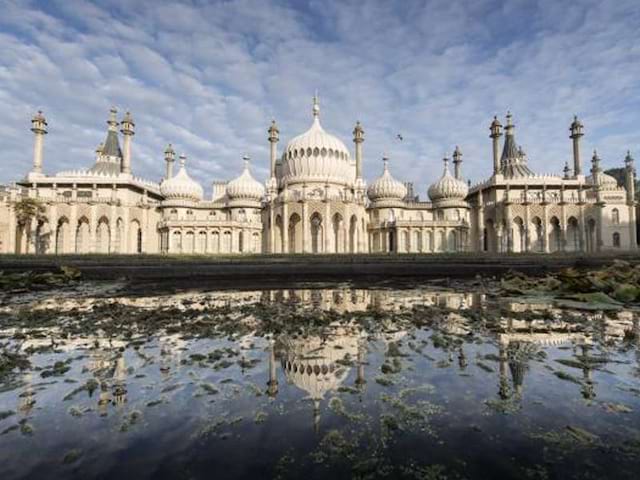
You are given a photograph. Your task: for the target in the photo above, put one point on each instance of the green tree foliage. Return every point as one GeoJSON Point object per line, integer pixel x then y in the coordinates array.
{"type": "Point", "coordinates": [28, 208]}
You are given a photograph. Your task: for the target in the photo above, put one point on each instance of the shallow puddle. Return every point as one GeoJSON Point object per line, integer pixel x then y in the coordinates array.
{"type": "Point", "coordinates": [419, 382]}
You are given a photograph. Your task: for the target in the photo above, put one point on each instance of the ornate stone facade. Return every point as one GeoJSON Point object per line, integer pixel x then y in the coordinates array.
{"type": "Point", "coordinates": [315, 201]}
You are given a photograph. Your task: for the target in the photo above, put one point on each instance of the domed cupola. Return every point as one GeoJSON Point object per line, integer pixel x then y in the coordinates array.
{"type": "Point", "coordinates": [448, 187]}
{"type": "Point", "coordinates": [317, 157]}
{"type": "Point", "coordinates": [181, 186]}
{"type": "Point", "coordinates": [386, 187]}
{"type": "Point", "coordinates": [245, 187]}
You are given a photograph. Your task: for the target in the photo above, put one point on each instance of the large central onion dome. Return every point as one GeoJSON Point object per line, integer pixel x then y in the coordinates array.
{"type": "Point", "coordinates": [245, 187]}
{"type": "Point", "coordinates": [317, 156]}
{"type": "Point", "coordinates": [181, 186]}
{"type": "Point", "coordinates": [386, 187]}
{"type": "Point", "coordinates": [448, 187]}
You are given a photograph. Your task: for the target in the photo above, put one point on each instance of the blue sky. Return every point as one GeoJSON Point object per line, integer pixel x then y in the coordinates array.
{"type": "Point", "coordinates": [209, 76]}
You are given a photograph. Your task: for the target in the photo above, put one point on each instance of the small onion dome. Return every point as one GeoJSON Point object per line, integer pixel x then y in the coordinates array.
{"type": "Point", "coordinates": [386, 187]}
{"type": "Point", "coordinates": [245, 187]}
{"type": "Point", "coordinates": [181, 186]}
{"type": "Point", "coordinates": [448, 187]}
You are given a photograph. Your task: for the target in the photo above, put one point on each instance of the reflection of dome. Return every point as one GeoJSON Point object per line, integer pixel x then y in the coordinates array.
{"type": "Point", "coordinates": [448, 187]}
{"type": "Point", "coordinates": [317, 156]}
{"type": "Point", "coordinates": [245, 187]}
{"type": "Point", "coordinates": [182, 186]}
{"type": "Point", "coordinates": [311, 364]}
{"type": "Point", "coordinates": [386, 187]}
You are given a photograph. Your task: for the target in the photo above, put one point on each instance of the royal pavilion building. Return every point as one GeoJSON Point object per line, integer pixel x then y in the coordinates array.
{"type": "Point", "coordinates": [315, 201]}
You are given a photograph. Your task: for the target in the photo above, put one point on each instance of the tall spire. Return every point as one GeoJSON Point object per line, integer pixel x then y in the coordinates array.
{"type": "Point", "coordinates": [513, 162]}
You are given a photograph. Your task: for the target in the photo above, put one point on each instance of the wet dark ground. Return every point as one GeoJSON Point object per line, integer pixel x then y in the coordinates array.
{"type": "Point", "coordinates": [418, 381]}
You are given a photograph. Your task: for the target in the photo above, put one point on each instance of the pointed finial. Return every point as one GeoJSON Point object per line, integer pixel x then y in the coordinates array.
{"type": "Point", "coordinates": [245, 159]}
{"type": "Point", "coordinates": [316, 105]}
{"type": "Point", "coordinates": [112, 122]}
{"type": "Point", "coordinates": [445, 161]}
{"type": "Point", "coordinates": [385, 161]}
{"type": "Point", "coordinates": [183, 160]}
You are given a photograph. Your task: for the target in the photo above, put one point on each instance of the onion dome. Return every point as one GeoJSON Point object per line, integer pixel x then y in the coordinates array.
{"type": "Point", "coordinates": [448, 187]}
{"type": "Point", "coordinates": [245, 187]}
{"type": "Point", "coordinates": [181, 186]}
{"type": "Point", "coordinates": [386, 187]}
{"type": "Point", "coordinates": [317, 156]}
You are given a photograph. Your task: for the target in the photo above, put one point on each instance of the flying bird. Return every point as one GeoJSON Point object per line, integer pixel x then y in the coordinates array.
{"type": "Point", "coordinates": [399, 137]}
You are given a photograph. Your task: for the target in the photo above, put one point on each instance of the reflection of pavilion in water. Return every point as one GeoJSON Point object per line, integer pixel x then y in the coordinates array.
{"type": "Point", "coordinates": [353, 300]}
{"type": "Point", "coordinates": [521, 340]}
{"type": "Point", "coordinates": [318, 365]}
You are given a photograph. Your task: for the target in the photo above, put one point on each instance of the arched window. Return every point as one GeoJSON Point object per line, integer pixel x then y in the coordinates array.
{"type": "Point", "coordinates": [616, 240]}
{"type": "Point", "coordinates": [615, 216]}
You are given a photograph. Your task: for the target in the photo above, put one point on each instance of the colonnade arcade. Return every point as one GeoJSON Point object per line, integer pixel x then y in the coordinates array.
{"type": "Point", "coordinates": [395, 239]}
{"type": "Point", "coordinates": [193, 240]}
{"type": "Point", "coordinates": [316, 230]}
{"type": "Point", "coordinates": [538, 236]}
{"type": "Point", "coordinates": [84, 235]}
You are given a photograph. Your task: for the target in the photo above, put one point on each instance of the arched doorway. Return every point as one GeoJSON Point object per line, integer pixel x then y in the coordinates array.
{"type": "Point", "coordinates": [353, 234]}
{"type": "Point", "coordinates": [338, 234]}
{"type": "Point", "coordinates": [83, 236]}
{"type": "Point", "coordinates": [573, 235]}
{"type": "Point", "coordinates": [555, 235]}
{"type": "Point", "coordinates": [316, 233]}
{"type": "Point", "coordinates": [62, 233]}
{"type": "Point", "coordinates": [295, 234]}
{"type": "Point", "coordinates": [103, 236]}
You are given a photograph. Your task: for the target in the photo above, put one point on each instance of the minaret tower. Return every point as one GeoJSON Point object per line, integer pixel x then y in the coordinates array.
{"type": "Point", "coordinates": [496, 133]}
{"type": "Point", "coordinates": [577, 131]}
{"type": "Point", "coordinates": [39, 129]}
{"type": "Point", "coordinates": [274, 137]}
{"type": "Point", "coordinates": [358, 139]}
{"type": "Point", "coordinates": [169, 158]}
{"type": "Point", "coordinates": [127, 129]}
{"type": "Point", "coordinates": [630, 184]}
{"type": "Point", "coordinates": [595, 169]}
{"type": "Point", "coordinates": [457, 162]}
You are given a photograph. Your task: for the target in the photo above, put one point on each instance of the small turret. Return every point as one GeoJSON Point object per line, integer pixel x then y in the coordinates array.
{"type": "Point", "coordinates": [39, 129]}
{"type": "Point", "coordinates": [358, 139]}
{"type": "Point", "coordinates": [566, 171]}
{"type": "Point", "coordinates": [496, 133]}
{"type": "Point", "coordinates": [274, 137]}
{"type": "Point", "coordinates": [457, 162]}
{"type": "Point", "coordinates": [629, 177]}
{"type": "Point", "coordinates": [577, 131]}
{"type": "Point", "coordinates": [127, 129]}
{"type": "Point", "coordinates": [169, 158]}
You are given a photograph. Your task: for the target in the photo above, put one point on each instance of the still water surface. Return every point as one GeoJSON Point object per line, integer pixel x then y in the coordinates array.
{"type": "Point", "coordinates": [417, 382]}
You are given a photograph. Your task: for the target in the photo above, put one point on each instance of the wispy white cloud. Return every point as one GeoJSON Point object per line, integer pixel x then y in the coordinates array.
{"type": "Point", "coordinates": [209, 76]}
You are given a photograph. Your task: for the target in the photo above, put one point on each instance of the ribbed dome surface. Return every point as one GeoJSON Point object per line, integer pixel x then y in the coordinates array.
{"type": "Point", "coordinates": [245, 187]}
{"type": "Point", "coordinates": [448, 187]}
{"type": "Point", "coordinates": [386, 187]}
{"type": "Point", "coordinates": [317, 156]}
{"type": "Point", "coordinates": [604, 180]}
{"type": "Point", "coordinates": [182, 186]}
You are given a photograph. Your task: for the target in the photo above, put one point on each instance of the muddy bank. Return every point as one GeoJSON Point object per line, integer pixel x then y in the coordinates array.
{"type": "Point", "coordinates": [303, 267]}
